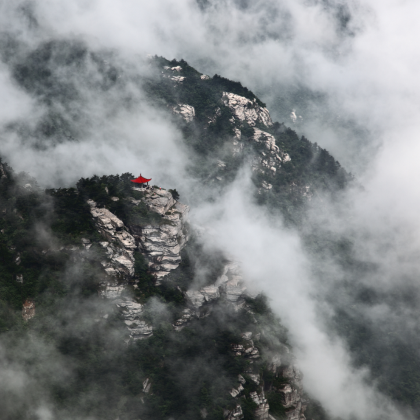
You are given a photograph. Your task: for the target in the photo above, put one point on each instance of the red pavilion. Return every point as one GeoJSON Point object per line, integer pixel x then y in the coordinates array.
{"type": "Point", "coordinates": [141, 180]}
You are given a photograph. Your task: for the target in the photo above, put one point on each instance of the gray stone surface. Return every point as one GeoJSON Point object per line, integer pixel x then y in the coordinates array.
{"type": "Point", "coordinates": [187, 112]}
{"type": "Point", "coordinates": [246, 110]}
{"type": "Point", "coordinates": [162, 244]}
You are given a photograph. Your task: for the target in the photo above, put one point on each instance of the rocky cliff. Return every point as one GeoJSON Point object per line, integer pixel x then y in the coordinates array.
{"type": "Point", "coordinates": [161, 245]}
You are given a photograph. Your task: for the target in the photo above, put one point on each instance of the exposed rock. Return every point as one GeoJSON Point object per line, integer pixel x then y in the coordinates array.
{"type": "Point", "coordinates": [206, 294]}
{"type": "Point", "coordinates": [120, 260]}
{"type": "Point", "coordinates": [28, 309]}
{"type": "Point", "coordinates": [255, 377]}
{"type": "Point", "coordinates": [162, 244]}
{"type": "Point", "coordinates": [121, 245]}
{"type": "Point", "coordinates": [268, 139]}
{"type": "Point", "coordinates": [2, 171]}
{"type": "Point", "coordinates": [159, 201]}
{"type": "Point", "coordinates": [270, 143]}
{"type": "Point", "coordinates": [132, 312]}
{"type": "Point", "coordinates": [177, 68]}
{"type": "Point", "coordinates": [204, 77]}
{"type": "Point", "coordinates": [261, 413]}
{"type": "Point", "coordinates": [266, 185]}
{"type": "Point", "coordinates": [247, 110]}
{"type": "Point", "coordinates": [291, 392]}
{"type": "Point", "coordinates": [146, 386]}
{"type": "Point", "coordinates": [178, 79]}
{"type": "Point", "coordinates": [187, 316]}
{"type": "Point", "coordinates": [217, 113]}
{"type": "Point", "coordinates": [235, 414]}
{"type": "Point", "coordinates": [187, 112]}
{"type": "Point", "coordinates": [235, 392]}
{"type": "Point", "coordinates": [231, 284]}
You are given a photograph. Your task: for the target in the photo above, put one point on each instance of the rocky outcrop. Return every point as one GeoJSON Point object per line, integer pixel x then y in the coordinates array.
{"type": "Point", "coordinates": [261, 412]}
{"type": "Point", "coordinates": [187, 316]}
{"type": "Point", "coordinates": [235, 414]}
{"type": "Point", "coordinates": [246, 110]}
{"type": "Point", "coordinates": [228, 286]}
{"type": "Point", "coordinates": [270, 143]}
{"type": "Point", "coordinates": [231, 284]}
{"type": "Point", "coordinates": [248, 350]}
{"type": "Point", "coordinates": [292, 392]}
{"type": "Point", "coordinates": [158, 200]}
{"type": "Point", "coordinates": [169, 70]}
{"type": "Point", "coordinates": [177, 68]}
{"type": "Point", "coordinates": [162, 244]}
{"type": "Point", "coordinates": [28, 309]}
{"type": "Point", "coordinates": [2, 171]}
{"type": "Point", "coordinates": [187, 112]}
{"type": "Point", "coordinates": [132, 312]}
{"type": "Point", "coordinates": [120, 244]}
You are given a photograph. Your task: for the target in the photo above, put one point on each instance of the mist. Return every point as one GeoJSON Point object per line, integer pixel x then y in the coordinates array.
{"type": "Point", "coordinates": [359, 63]}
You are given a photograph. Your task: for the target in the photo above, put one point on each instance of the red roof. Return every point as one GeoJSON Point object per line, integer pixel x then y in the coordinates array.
{"type": "Point", "coordinates": [141, 180]}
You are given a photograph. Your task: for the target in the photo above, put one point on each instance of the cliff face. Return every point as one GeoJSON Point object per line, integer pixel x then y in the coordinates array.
{"type": "Point", "coordinates": [161, 245]}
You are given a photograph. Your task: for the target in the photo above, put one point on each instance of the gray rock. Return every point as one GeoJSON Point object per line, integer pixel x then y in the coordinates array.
{"type": "Point", "coordinates": [261, 413]}
{"type": "Point", "coordinates": [235, 392]}
{"type": "Point", "coordinates": [246, 110]}
{"type": "Point", "coordinates": [146, 386]}
{"type": "Point", "coordinates": [187, 112]}
{"type": "Point", "coordinates": [162, 244]}
{"type": "Point", "coordinates": [2, 171]}
{"type": "Point", "coordinates": [120, 244]}
{"type": "Point", "coordinates": [235, 414]}
{"type": "Point", "coordinates": [187, 316]}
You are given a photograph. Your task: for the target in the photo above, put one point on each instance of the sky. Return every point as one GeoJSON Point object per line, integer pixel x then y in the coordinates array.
{"type": "Point", "coordinates": [360, 58]}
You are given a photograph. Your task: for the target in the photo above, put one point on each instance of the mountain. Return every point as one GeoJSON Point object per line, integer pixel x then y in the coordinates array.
{"type": "Point", "coordinates": [102, 276]}
{"type": "Point", "coordinates": [112, 305]}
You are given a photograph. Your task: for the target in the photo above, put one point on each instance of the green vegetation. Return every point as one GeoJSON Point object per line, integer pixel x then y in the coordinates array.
{"type": "Point", "coordinates": [40, 228]}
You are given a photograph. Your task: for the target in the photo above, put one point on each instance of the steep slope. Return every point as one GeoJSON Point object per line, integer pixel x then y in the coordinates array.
{"type": "Point", "coordinates": [108, 240]}
{"type": "Point", "coordinates": [155, 344]}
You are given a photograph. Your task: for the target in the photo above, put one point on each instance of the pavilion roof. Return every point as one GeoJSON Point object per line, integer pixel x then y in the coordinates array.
{"type": "Point", "coordinates": [141, 180]}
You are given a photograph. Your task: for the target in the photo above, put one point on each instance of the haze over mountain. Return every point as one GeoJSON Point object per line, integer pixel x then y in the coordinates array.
{"type": "Point", "coordinates": [98, 89]}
